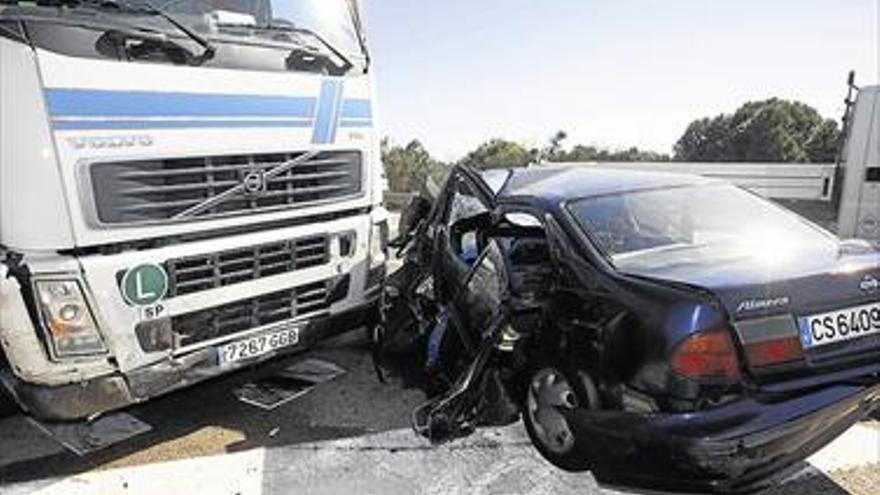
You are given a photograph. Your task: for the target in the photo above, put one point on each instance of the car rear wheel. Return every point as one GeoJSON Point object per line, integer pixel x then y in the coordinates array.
{"type": "Point", "coordinates": [549, 392]}
{"type": "Point", "coordinates": [8, 406]}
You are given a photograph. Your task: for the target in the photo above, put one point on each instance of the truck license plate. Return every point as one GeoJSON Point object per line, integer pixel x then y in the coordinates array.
{"type": "Point", "coordinates": [838, 326]}
{"type": "Point", "coordinates": [257, 345]}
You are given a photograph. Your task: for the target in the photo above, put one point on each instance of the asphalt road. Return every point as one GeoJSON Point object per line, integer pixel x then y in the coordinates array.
{"type": "Point", "coordinates": [351, 434]}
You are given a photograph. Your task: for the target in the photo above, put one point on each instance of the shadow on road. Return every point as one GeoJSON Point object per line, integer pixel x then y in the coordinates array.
{"type": "Point", "coordinates": [209, 420]}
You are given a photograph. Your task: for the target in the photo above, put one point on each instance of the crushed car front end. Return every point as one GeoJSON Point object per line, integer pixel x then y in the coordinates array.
{"type": "Point", "coordinates": [663, 331]}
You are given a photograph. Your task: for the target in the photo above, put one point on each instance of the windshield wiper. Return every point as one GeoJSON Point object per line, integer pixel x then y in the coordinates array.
{"type": "Point", "coordinates": [208, 50]}
{"type": "Point", "coordinates": [346, 62]}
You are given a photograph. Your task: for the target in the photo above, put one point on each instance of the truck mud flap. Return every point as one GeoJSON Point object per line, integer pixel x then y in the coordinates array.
{"type": "Point", "coordinates": [83, 438]}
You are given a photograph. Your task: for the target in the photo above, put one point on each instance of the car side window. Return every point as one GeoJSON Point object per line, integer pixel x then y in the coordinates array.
{"type": "Point", "coordinates": [464, 204]}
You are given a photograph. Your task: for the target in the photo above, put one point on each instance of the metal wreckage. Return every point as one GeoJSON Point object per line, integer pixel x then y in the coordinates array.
{"type": "Point", "coordinates": [662, 331]}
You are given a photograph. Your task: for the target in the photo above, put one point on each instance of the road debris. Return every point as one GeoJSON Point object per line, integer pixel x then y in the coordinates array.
{"type": "Point", "coordinates": [83, 438]}
{"type": "Point", "coordinates": [297, 380]}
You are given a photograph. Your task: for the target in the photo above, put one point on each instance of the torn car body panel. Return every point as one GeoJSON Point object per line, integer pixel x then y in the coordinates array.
{"type": "Point", "coordinates": [642, 335]}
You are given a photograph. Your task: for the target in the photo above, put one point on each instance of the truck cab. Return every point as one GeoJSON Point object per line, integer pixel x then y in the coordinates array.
{"type": "Point", "coordinates": [186, 188]}
{"type": "Point", "coordinates": [859, 206]}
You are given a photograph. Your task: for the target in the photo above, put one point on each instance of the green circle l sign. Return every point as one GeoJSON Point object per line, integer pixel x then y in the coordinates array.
{"type": "Point", "coordinates": [144, 284]}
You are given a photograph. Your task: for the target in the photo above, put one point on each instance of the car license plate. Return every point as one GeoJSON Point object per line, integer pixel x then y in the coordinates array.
{"type": "Point", "coordinates": [838, 326]}
{"type": "Point", "coordinates": [257, 345]}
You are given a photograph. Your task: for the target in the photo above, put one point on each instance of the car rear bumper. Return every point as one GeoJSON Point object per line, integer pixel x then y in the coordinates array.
{"type": "Point", "coordinates": [103, 394]}
{"type": "Point", "coordinates": [738, 447]}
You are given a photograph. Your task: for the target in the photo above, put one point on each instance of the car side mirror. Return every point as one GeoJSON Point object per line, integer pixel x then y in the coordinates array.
{"type": "Point", "coordinates": [522, 219]}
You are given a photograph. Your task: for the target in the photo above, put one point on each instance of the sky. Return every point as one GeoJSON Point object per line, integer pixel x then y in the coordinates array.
{"type": "Point", "coordinates": [611, 73]}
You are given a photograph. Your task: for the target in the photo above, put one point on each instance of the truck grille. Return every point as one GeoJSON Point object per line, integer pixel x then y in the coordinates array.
{"type": "Point", "coordinates": [134, 192]}
{"type": "Point", "coordinates": [209, 271]}
{"type": "Point", "coordinates": [239, 316]}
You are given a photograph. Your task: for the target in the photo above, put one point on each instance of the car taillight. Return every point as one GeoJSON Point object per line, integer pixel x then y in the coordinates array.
{"type": "Point", "coordinates": [771, 352]}
{"type": "Point", "coordinates": [770, 341]}
{"type": "Point", "coordinates": [708, 354]}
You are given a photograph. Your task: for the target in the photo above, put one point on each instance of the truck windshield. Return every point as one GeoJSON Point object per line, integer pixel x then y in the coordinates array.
{"type": "Point", "coordinates": [334, 21]}
{"type": "Point", "coordinates": [696, 224]}
{"type": "Point", "coordinates": [320, 36]}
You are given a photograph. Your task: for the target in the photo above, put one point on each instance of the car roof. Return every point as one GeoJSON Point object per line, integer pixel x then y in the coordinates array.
{"type": "Point", "coordinates": [556, 184]}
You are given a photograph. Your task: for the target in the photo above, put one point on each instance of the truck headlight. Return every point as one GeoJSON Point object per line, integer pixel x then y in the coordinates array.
{"type": "Point", "coordinates": [68, 319]}
{"type": "Point", "coordinates": [378, 244]}
{"type": "Point", "coordinates": [378, 254]}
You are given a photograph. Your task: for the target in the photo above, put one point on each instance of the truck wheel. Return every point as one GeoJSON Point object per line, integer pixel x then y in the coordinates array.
{"type": "Point", "coordinates": [549, 391]}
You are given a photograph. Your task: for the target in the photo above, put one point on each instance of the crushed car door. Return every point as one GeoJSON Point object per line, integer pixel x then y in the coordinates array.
{"type": "Point", "coordinates": [454, 413]}
{"type": "Point", "coordinates": [456, 243]}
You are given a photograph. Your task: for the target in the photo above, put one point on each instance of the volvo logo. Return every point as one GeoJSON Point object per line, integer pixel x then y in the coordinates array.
{"type": "Point", "coordinates": [254, 183]}
{"type": "Point", "coordinates": [869, 283]}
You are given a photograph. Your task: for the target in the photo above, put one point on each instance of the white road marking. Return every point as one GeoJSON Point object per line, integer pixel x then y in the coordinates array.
{"type": "Point", "coordinates": [240, 473]}
{"type": "Point", "coordinates": [497, 460]}
{"type": "Point", "coordinates": [858, 446]}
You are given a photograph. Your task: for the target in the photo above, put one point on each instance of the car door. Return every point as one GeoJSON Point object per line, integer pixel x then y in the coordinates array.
{"type": "Point", "coordinates": [466, 207]}
{"type": "Point", "coordinates": [456, 243]}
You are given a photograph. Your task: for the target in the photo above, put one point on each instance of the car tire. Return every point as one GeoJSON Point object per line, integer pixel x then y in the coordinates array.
{"type": "Point", "coordinates": [556, 443]}
{"type": "Point", "coordinates": [8, 407]}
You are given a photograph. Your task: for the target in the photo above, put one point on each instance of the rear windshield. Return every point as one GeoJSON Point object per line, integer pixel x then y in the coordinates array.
{"type": "Point", "coordinates": [715, 222]}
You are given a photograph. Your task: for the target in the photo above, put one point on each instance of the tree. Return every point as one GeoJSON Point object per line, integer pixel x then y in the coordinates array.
{"type": "Point", "coordinates": [553, 152]}
{"type": "Point", "coordinates": [705, 139]}
{"type": "Point", "coordinates": [408, 167]}
{"type": "Point", "coordinates": [824, 142]}
{"type": "Point", "coordinates": [499, 153]}
{"type": "Point", "coordinates": [772, 130]}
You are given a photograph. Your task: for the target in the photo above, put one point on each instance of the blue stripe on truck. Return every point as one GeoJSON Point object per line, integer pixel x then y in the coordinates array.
{"type": "Point", "coordinates": [92, 103]}
{"type": "Point", "coordinates": [327, 117]}
{"type": "Point", "coordinates": [103, 109]}
{"type": "Point", "coordinates": [179, 124]}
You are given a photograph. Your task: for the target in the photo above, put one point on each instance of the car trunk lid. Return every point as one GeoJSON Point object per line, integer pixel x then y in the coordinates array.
{"type": "Point", "coordinates": [773, 308]}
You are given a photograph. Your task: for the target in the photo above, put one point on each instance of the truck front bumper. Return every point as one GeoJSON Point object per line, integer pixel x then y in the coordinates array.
{"type": "Point", "coordinates": [99, 395]}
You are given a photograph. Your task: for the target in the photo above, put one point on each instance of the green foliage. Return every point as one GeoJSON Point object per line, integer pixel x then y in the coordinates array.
{"type": "Point", "coordinates": [772, 130]}
{"type": "Point", "coordinates": [555, 152]}
{"type": "Point", "coordinates": [499, 153]}
{"type": "Point", "coordinates": [408, 167]}
{"type": "Point", "coordinates": [581, 153]}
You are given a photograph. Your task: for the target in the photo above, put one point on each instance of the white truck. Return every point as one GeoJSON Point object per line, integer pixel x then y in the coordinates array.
{"type": "Point", "coordinates": [186, 188]}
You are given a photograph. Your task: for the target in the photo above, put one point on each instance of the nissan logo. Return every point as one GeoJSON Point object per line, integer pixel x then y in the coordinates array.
{"type": "Point", "coordinates": [870, 283]}
{"type": "Point", "coordinates": [254, 182]}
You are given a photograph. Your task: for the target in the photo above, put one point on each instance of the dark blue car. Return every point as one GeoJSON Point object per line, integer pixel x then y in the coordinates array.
{"type": "Point", "coordinates": [663, 331]}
